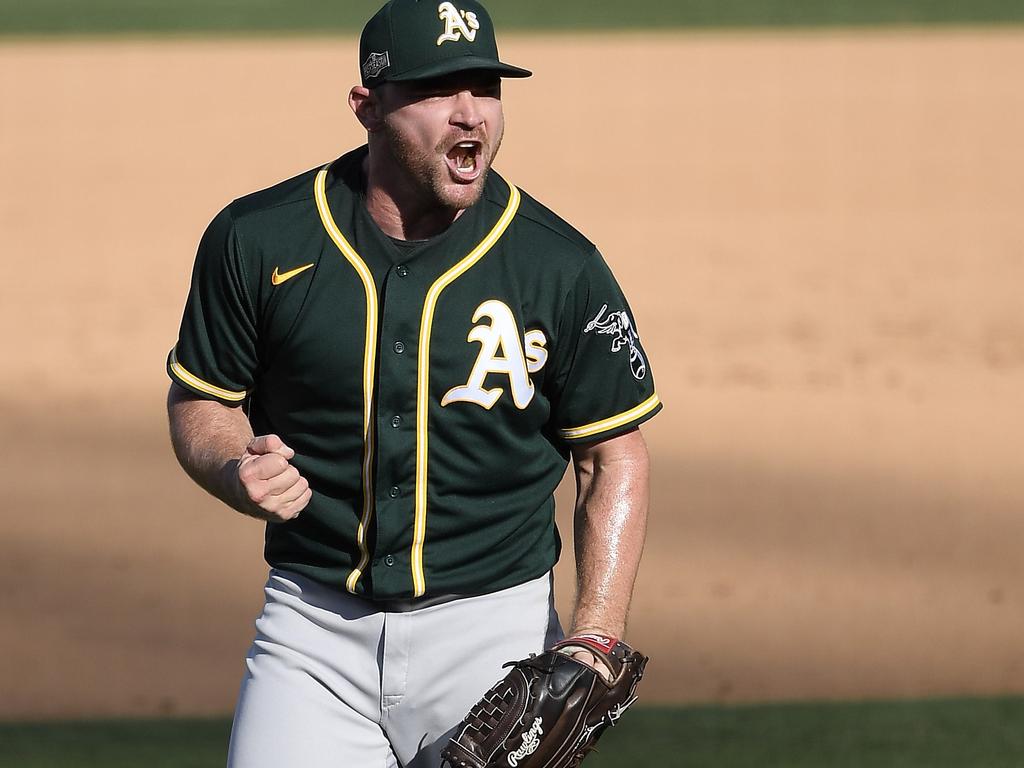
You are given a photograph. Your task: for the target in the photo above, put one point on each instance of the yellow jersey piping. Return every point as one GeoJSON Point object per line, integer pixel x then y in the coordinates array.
{"type": "Point", "coordinates": [192, 380]}
{"type": "Point", "coordinates": [369, 354]}
{"type": "Point", "coordinates": [423, 380]}
{"type": "Point", "coordinates": [612, 422]}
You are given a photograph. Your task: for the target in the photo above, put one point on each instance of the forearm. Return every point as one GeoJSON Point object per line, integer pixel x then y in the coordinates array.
{"type": "Point", "coordinates": [610, 526]}
{"type": "Point", "coordinates": [208, 440]}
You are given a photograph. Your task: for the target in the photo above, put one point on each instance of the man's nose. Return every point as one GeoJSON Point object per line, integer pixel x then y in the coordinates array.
{"type": "Point", "coordinates": [466, 113]}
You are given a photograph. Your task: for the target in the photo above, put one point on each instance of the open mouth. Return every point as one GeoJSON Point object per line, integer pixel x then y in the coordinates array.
{"type": "Point", "coordinates": [465, 160]}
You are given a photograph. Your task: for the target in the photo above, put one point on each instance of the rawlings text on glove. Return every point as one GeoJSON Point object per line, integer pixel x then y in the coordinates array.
{"type": "Point", "coordinates": [550, 709]}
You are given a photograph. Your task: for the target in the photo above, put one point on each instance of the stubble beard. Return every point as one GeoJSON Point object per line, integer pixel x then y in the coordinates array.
{"type": "Point", "coordinates": [429, 173]}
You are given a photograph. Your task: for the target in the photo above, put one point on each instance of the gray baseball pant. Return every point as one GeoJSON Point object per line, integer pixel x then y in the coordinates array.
{"type": "Point", "coordinates": [334, 681]}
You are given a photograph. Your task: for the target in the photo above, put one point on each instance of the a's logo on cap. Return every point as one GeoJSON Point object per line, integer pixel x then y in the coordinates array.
{"type": "Point", "coordinates": [456, 23]}
{"type": "Point", "coordinates": [375, 64]}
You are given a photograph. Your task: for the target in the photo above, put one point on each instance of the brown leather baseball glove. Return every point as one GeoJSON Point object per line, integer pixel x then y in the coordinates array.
{"type": "Point", "coordinates": [550, 709]}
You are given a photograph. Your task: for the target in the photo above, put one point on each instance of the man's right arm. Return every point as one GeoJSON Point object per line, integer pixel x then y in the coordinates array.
{"type": "Point", "coordinates": [215, 445]}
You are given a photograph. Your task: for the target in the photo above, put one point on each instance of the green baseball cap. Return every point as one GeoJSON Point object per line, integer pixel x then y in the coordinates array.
{"type": "Point", "coordinates": [419, 39]}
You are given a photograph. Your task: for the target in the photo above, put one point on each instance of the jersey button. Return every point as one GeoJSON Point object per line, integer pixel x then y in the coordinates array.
{"type": "Point", "coordinates": [394, 491]}
{"type": "Point", "coordinates": [389, 560]}
{"type": "Point", "coordinates": [402, 270]}
{"type": "Point", "coordinates": [396, 421]}
{"type": "Point", "coordinates": [399, 347]}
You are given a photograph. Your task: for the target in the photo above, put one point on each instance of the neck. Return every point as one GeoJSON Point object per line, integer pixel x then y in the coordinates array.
{"type": "Point", "coordinates": [399, 206]}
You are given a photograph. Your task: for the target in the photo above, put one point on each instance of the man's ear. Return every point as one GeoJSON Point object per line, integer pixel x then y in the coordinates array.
{"type": "Point", "coordinates": [366, 107]}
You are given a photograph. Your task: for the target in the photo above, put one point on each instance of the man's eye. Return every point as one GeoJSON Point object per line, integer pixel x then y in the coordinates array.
{"type": "Point", "coordinates": [488, 90]}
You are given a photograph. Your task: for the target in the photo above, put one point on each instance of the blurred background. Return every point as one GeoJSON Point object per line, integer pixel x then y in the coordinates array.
{"type": "Point", "coordinates": [815, 210]}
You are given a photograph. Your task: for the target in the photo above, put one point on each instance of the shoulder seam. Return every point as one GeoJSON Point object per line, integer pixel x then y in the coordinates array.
{"type": "Point", "coordinates": [245, 266]}
{"type": "Point", "coordinates": [572, 287]}
{"type": "Point", "coordinates": [306, 198]}
{"type": "Point", "coordinates": [529, 215]}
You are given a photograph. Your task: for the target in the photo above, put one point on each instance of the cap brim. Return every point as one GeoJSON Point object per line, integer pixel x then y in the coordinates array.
{"type": "Point", "coordinates": [458, 64]}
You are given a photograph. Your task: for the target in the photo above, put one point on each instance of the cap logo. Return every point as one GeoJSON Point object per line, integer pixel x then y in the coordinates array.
{"type": "Point", "coordinates": [375, 64]}
{"type": "Point", "coordinates": [457, 23]}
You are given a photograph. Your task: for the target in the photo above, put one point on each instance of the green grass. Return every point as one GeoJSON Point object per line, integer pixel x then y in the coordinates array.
{"type": "Point", "coordinates": [115, 744]}
{"type": "Point", "coordinates": [962, 733]}
{"type": "Point", "coordinates": [56, 17]}
{"type": "Point", "coordinates": [983, 733]}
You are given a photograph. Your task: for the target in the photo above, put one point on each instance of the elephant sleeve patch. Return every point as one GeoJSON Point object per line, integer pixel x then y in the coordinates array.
{"type": "Point", "coordinates": [624, 338]}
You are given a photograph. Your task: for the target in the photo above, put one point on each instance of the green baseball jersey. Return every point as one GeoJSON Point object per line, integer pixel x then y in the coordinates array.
{"type": "Point", "coordinates": [431, 391]}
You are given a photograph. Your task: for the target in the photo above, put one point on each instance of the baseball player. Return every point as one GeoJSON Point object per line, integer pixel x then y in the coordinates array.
{"type": "Point", "coordinates": [391, 359]}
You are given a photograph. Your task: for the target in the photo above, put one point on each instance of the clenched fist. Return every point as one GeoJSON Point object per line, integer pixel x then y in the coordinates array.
{"type": "Point", "coordinates": [270, 487]}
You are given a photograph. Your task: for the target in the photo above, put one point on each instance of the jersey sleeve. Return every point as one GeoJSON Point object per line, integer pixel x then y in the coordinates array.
{"type": "Point", "coordinates": [215, 356]}
{"type": "Point", "coordinates": [604, 383]}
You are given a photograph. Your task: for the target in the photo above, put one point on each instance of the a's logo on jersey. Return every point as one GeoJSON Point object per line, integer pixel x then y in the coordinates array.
{"type": "Point", "coordinates": [501, 352]}
{"type": "Point", "coordinates": [620, 328]}
{"type": "Point", "coordinates": [456, 23]}
{"type": "Point", "coordinates": [279, 277]}
{"type": "Point", "coordinates": [375, 64]}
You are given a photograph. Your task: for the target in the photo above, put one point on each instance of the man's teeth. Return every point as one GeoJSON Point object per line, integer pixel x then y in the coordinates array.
{"type": "Point", "coordinates": [465, 155]}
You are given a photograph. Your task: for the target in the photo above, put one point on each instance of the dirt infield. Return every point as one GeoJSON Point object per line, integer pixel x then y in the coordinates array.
{"type": "Point", "coordinates": [822, 239]}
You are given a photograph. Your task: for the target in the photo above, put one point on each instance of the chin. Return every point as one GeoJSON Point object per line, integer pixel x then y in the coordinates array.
{"type": "Point", "coordinates": [452, 194]}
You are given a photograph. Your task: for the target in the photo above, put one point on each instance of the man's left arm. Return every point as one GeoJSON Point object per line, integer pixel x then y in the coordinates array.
{"type": "Point", "coordinates": [612, 493]}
